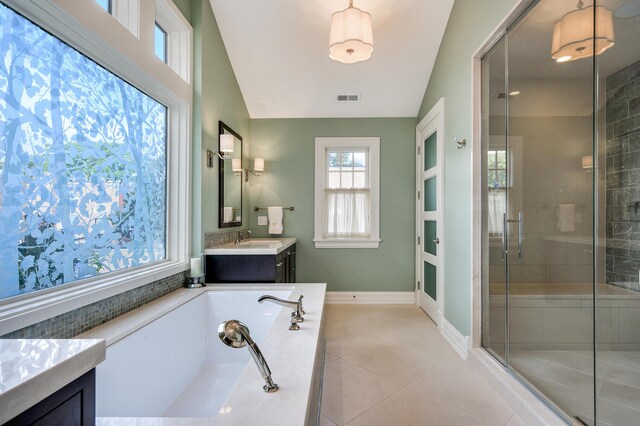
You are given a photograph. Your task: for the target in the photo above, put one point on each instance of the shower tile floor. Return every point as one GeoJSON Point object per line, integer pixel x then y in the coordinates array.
{"type": "Point", "coordinates": [567, 377]}
{"type": "Point", "coordinates": [389, 365]}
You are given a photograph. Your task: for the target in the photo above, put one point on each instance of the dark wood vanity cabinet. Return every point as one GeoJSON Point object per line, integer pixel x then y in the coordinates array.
{"type": "Point", "coordinates": [259, 268]}
{"type": "Point", "coordinates": [72, 405]}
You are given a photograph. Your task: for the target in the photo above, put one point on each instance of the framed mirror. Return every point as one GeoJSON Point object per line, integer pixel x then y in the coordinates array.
{"type": "Point", "coordinates": [230, 182]}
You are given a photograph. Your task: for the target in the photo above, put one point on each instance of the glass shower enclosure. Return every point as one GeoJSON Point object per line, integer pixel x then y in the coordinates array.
{"type": "Point", "coordinates": [561, 206]}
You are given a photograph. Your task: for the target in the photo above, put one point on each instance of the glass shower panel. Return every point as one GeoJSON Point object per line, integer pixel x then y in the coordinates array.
{"type": "Point", "coordinates": [494, 201]}
{"type": "Point", "coordinates": [617, 182]}
{"type": "Point", "coordinates": [549, 211]}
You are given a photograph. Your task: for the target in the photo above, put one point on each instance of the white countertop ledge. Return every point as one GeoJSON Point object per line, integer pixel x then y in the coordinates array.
{"type": "Point", "coordinates": [252, 246]}
{"type": "Point", "coordinates": [33, 369]}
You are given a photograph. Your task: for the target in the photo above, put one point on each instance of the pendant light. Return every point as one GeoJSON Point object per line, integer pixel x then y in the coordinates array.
{"type": "Point", "coordinates": [574, 36]}
{"type": "Point", "coordinates": [351, 36]}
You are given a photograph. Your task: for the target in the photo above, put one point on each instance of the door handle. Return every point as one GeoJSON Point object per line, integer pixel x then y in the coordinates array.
{"type": "Point", "coordinates": [504, 236]}
{"type": "Point", "coordinates": [520, 233]}
{"type": "Point", "coordinates": [520, 222]}
{"type": "Point", "coordinates": [437, 241]}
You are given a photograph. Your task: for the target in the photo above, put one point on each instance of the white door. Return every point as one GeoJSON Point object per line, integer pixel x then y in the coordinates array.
{"type": "Point", "coordinates": [429, 206]}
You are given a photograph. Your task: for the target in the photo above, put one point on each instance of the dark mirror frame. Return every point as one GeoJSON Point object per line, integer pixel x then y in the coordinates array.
{"type": "Point", "coordinates": [223, 129]}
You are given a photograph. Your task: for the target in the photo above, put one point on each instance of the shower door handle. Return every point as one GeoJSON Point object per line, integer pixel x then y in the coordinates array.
{"type": "Point", "coordinates": [504, 236]}
{"type": "Point", "coordinates": [520, 222]}
{"type": "Point", "coordinates": [520, 232]}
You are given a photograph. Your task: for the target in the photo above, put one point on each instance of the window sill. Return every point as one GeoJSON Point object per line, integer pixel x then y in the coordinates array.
{"type": "Point", "coordinates": [28, 309]}
{"type": "Point", "coordinates": [348, 243]}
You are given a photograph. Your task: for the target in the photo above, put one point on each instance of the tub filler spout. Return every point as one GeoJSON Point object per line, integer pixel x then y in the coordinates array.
{"type": "Point", "coordinates": [235, 334]}
{"type": "Point", "coordinates": [296, 316]}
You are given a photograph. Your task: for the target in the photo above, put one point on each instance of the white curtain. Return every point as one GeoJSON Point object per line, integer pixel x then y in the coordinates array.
{"type": "Point", "coordinates": [497, 207]}
{"type": "Point", "coordinates": [347, 214]}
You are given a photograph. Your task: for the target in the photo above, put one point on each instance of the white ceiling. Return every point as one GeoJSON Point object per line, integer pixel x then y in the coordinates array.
{"type": "Point", "coordinates": [279, 53]}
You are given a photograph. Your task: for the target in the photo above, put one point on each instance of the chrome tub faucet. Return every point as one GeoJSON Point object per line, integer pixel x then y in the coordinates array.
{"type": "Point", "coordinates": [296, 316]}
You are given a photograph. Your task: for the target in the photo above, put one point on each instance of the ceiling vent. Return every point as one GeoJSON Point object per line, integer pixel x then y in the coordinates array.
{"type": "Point", "coordinates": [348, 98]}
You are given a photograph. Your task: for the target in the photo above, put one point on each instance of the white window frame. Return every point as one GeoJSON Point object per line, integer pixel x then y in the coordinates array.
{"type": "Point", "coordinates": [83, 25]}
{"type": "Point", "coordinates": [322, 145]}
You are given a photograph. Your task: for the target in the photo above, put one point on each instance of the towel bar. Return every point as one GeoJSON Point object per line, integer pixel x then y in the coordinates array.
{"type": "Point", "coordinates": [255, 209]}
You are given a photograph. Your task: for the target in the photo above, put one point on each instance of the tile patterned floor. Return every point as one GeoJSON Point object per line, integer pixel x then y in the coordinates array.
{"type": "Point", "coordinates": [567, 376]}
{"type": "Point", "coordinates": [388, 365]}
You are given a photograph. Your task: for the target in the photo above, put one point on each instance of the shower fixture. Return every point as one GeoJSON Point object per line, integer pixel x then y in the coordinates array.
{"type": "Point", "coordinates": [235, 334]}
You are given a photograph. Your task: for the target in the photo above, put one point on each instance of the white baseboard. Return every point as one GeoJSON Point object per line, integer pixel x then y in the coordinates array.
{"type": "Point", "coordinates": [370, 297]}
{"type": "Point", "coordinates": [459, 342]}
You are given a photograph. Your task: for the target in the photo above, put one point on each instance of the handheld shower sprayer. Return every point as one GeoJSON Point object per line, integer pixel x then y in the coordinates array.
{"type": "Point", "coordinates": [235, 334]}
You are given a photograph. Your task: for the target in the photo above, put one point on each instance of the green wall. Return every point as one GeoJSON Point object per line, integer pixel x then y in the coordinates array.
{"type": "Point", "coordinates": [287, 145]}
{"type": "Point", "coordinates": [216, 97]}
{"type": "Point", "coordinates": [470, 23]}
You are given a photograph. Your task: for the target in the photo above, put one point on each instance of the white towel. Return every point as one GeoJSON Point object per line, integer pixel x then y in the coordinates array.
{"type": "Point", "coordinates": [565, 217]}
{"type": "Point", "coordinates": [275, 220]}
{"type": "Point", "coordinates": [227, 215]}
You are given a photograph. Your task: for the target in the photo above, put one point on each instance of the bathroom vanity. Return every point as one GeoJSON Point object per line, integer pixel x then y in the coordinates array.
{"type": "Point", "coordinates": [255, 260]}
{"type": "Point", "coordinates": [49, 381]}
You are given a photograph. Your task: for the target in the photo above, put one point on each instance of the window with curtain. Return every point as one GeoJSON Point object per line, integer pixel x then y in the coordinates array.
{"type": "Point", "coordinates": [347, 192]}
{"type": "Point", "coordinates": [497, 181]}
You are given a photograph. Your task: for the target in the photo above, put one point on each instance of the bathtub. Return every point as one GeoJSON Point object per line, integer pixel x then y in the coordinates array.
{"type": "Point", "coordinates": [166, 365]}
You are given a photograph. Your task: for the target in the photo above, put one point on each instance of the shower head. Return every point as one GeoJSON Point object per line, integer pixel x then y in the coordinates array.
{"type": "Point", "coordinates": [234, 334]}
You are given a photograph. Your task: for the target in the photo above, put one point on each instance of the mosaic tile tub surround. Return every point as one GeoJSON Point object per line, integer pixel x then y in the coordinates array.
{"type": "Point", "coordinates": [70, 324]}
{"type": "Point", "coordinates": [78, 321]}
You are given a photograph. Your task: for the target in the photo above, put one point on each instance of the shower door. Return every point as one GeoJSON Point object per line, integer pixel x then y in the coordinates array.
{"type": "Point", "coordinates": [537, 125]}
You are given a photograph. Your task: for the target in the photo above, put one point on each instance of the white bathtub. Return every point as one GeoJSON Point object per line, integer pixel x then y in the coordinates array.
{"type": "Point", "coordinates": [166, 365]}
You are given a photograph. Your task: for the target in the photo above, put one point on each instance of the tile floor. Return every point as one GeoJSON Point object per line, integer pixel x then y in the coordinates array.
{"type": "Point", "coordinates": [388, 365]}
{"type": "Point", "coordinates": [567, 377]}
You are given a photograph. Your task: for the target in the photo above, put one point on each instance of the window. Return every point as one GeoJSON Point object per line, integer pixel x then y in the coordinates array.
{"type": "Point", "coordinates": [497, 182]}
{"type": "Point", "coordinates": [105, 4]}
{"type": "Point", "coordinates": [160, 43]}
{"type": "Point", "coordinates": [347, 192]}
{"type": "Point", "coordinates": [497, 169]}
{"type": "Point", "coordinates": [88, 205]}
{"type": "Point", "coordinates": [82, 165]}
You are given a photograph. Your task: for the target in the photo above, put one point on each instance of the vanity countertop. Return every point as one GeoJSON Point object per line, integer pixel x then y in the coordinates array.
{"type": "Point", "coordinates": [251, 246]}
{"type": "Point", "coordinates": [33, 369]}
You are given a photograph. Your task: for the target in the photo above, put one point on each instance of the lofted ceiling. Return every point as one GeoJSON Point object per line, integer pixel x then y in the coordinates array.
{"type": "Point", "coordinates": [279, 53]}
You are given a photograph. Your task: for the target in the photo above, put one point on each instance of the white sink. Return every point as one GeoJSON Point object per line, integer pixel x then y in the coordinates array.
{"type": "Point", "coordinates": [252, 246]}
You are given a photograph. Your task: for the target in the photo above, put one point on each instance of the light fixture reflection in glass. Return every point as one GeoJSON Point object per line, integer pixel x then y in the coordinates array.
{"type": "Point", "coordinates": [574, 36]}
{"type": "Point", "coordinates": [236, 166]}
{"type": "Point", "coordinates": [587, 162]}
{"type": "Point", "coordinates": [351, 36]}
{"type": "Point", "coordinates": [514, 93]}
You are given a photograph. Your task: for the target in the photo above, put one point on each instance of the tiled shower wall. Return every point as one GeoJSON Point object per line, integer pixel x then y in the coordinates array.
{"type": "Point", "coordinates": [623, 177]}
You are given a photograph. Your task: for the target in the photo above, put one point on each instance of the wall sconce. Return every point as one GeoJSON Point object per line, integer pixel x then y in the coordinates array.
{"type": "Point", "coordinates": [258, 168]}
{"type": "Point", "coordinates": [226, 148]}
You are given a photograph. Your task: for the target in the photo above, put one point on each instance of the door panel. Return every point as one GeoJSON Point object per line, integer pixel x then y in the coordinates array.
{"type": "Point", "coordinates": [429, 224]}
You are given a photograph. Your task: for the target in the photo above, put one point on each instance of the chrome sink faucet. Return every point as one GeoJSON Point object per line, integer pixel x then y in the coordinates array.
{"type": "Point", "coordinates": [240, 236]}
{"type": "Point", "coordinates": [296, 316]}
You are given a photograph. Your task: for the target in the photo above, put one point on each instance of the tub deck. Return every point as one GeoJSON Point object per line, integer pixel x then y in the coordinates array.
{"type": "Point", "coordinates": [292, 356]}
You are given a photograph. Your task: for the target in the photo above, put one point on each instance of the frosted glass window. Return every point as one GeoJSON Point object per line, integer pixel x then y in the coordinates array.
{"type": "Point", "coordinates": [83, 165]}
